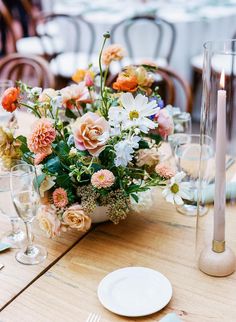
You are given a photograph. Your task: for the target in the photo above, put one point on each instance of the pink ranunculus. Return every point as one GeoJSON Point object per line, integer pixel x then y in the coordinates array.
{"type": "Point", "coordinates": [91, 133]}
{"type": "Point", "coordinates": [48, 221]}
{"type": "Point", "coordinates": [103, 179]}
{"type": "Point", "coordinates": [41, 137]}
{"type": "Point", "coordinates": [75, 94]}
{"type": "Point", "coordinates": [165, 123]}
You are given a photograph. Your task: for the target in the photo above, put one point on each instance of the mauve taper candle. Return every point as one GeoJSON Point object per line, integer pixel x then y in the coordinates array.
{"type": "Point", "coordinates": [219, 202]}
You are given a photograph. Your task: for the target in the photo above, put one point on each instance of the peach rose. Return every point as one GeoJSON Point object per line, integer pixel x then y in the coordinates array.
{"type": "Point", "coordinates": [10, 98]}
{"type": "Point", "coordinates": [48, 221]}
{"type": "Point", "coordinates": [165, 123]}
{"type": "Point", "coordinates": [148, 157]}
{"type": "Point", "coordinates": [91, 133]}
{"type": "Point", "coordinates": [75, 218]}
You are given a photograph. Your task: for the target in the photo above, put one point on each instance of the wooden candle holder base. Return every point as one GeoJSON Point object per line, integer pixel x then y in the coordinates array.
{"type": "Point", "coordinates": [217, 263]}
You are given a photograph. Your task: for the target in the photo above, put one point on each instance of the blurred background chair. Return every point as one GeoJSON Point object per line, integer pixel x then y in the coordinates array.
{"type": "Point", "coordinates": [159, 42]}
{"type": "Point", "coordinates": [172, 88]}
{"type": "Point", "coordinates": [33, 70]}
{"type": "Point", "coordinates": [82, 35]}
{"type": "Point", "coordinates": [47, 41]}
{"type": "Point", "coordinates": [8, 37]}
{"type": "Point", "coordinates": [197, 67]}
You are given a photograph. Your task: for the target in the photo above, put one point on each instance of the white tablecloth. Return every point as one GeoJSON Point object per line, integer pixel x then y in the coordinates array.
{"type": "Point", "coordinates": [195, 22]}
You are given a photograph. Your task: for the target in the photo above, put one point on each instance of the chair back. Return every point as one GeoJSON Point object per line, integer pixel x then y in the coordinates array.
{"type": "Point", "coordinates": [29, 9]}
{"type": "Point", "coordinates": [7, 20]}
{"type": "Point", "coordinates": [31, 69]}
{"type": "Point", "coordinates": [172, 88]}
{"type": "Point", "coordinates": [159, 40]}
{"type": "Point", "coordinates": [53, 27]}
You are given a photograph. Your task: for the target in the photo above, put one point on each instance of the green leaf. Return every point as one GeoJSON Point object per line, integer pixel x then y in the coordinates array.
{"type": "Point", "coordinates": [143, 144]}
{"type": "Point", "coordinates": [40, 179]}
{"type": "Point", "coordinates": [24, 147]}
{"type": "Point", "coordinates": [63, 180]}
{"type": "Point", "coordinates": [156, 137]}
{"type": "Point", "coordinates": [62, 149]}
{"type": "Point", "coordinates": [135, 197]}
{"type": "Point", "coordinates": [53, 165]}
{"type": "Point", "coordinates": [70, 114]}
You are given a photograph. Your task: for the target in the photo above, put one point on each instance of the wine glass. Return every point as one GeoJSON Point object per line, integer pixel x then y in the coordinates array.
{"type": "Point", "coordinates": [26, 199]}
{"type": "Point", "coordinates": [182, 129]}
{"type": "Point", "coordinates": [188, 160]}
{"type": "Point", "coordinates": [16, 237]}
{"type": "Point", "coordinates": [5, 117]}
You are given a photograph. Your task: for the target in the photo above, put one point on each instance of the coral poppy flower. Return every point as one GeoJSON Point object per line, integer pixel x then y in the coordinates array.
{"type": "Point", "coordinates": [126, 83]}
{"type": "Point", "coordinates": [10, 98]}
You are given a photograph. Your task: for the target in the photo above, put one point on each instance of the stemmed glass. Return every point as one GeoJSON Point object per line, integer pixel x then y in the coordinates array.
{"type": "Point", "coordinates": [26, 199]}
{"type": "Point", "coordinates": [182, 129]}
{"type": "Point", "coordinates": [16, 237]}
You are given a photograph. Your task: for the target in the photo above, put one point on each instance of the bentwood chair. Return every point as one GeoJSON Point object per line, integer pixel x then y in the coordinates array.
{"type": "Point", "coordinates": [47, 41]}
{"type": "Point", "coordinates": [7, 32]}
{"type": "Point", "coordinates": [33, 70]}
{"type": "Point", "coordinates": [79, 46]}
{"type": "Point", "coordinates": [159, 41]}
{"type": "Point", "coordinates": [172, 88]}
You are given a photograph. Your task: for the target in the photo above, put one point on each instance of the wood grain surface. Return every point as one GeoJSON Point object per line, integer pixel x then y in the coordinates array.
{"type": "Point", "coordinates": [161, 239]}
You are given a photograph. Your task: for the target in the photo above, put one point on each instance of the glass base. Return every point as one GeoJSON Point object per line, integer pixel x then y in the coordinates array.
{"type": "Point", "coordinates": [191, 210]}
{"type": "Point", "coordinates": [33, 255]}
{"type": "Point", "coordinates": [16, 239]}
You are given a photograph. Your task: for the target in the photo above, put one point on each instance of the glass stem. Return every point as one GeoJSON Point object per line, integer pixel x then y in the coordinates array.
{"type": "Point", "coordinates": [14, 226]}
{"type": "Point", "coordinates": [29, 237]}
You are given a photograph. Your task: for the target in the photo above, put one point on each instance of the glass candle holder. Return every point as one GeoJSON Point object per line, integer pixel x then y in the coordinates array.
{"type": "Point", "coordinates": [218, 121]}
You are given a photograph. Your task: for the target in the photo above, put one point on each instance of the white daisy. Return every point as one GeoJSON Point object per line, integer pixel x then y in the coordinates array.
{"type": "Point", "coordinates": [176, 190]}
{"type": "Point", "coordinates": [124, 150]}
{"type": "Point", "coordinates": [136, 112]}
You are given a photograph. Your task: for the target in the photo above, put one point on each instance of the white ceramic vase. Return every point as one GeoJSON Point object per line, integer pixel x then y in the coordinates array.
{"type": "Point", "coordinates": [99, 214]}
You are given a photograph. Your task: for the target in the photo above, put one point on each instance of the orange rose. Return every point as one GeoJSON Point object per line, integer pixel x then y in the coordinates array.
{"type": "Point", "coordinates": [10, 99]}
{"type": "Point", "coordinates": [126, 83]}
{"type": "Point", "coordinates": [91, 133]}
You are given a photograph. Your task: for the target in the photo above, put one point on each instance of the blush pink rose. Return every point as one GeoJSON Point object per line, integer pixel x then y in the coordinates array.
{"type": "Point", "coordinates": [75, 94]}
{"type": "Point", "coordinates": [165, 123]}
{"type": "Point", "coordinates": [91, 133]}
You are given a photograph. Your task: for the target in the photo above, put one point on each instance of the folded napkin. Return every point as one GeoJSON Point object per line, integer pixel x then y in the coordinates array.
{"type": "Point", "coordinates": [4, 246]}
{"type": "Point", "coordinates": [170, 317]}
{"type": "Point", "coordinates": [208, 192]}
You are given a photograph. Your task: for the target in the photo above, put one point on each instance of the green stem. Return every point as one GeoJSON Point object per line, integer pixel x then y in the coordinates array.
{"type": "Point", "coordinates": [101, 74]}
{"type": "Point", "coordinates": [31, 108]}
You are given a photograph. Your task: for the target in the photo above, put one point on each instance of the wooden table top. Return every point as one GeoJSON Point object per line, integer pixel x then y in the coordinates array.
{"type": "Point", "coordinates": [63, 288]}
{"type": "Point", "coordinates": [161, 239]}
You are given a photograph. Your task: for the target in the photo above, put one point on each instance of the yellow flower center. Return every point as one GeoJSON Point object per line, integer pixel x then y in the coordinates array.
{"type": "Point", "coordinates": [101, 177]}
{"type": "Point", "coordinates": [133, 114]}
{"type": "Point", "coordinates": [174, 188]}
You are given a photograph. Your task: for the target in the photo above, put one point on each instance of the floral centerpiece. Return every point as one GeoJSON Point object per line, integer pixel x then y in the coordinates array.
{"type": "Point", "coordinates": [93, 148]}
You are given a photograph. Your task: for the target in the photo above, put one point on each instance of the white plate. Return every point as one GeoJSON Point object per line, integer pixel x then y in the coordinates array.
{"type": "Point", "coordinates": [134, 291]}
